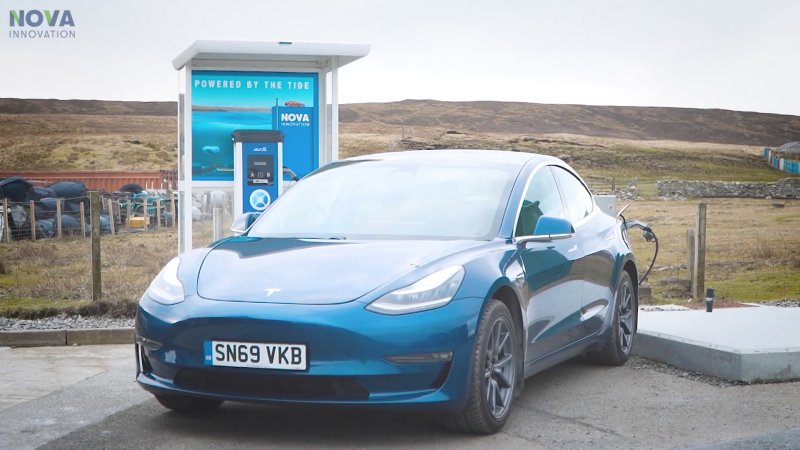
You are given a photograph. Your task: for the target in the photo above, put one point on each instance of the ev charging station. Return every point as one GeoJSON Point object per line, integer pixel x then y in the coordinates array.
{"type": "Point", "coordinates": [257, 169]}
{"type": "Point", "coordinates": [247, 113]}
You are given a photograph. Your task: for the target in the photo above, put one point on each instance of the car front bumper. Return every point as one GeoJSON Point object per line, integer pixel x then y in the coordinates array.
{"type": "Point", "coordinates": [347, 351]}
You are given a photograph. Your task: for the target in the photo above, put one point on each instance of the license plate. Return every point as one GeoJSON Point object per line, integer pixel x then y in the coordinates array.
{"type": "Point", "coordinates": [255, 355]}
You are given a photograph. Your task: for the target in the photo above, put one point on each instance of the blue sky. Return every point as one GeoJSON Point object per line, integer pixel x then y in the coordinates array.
{"type": "Point", "coordinates": [730, 54]}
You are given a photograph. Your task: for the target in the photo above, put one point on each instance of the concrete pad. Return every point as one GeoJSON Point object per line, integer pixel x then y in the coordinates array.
{"type": "Point", "coordinates": [30, 373]}
{"type": "Point", "coordinates": [741, 344]}
{"type": "Point", "coordinates": [32, 338]}
{"type": "Point", "coordinates": [97, 336]}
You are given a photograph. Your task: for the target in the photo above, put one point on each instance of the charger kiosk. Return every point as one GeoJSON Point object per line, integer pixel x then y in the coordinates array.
{"type": "Point", "coordinates": [247, 106]}
{"type": "Point", "coordinates": [258, 169]}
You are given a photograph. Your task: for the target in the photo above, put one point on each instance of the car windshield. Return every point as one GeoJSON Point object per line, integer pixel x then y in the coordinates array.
{"type": "Point", "coordinates": [383, 199]}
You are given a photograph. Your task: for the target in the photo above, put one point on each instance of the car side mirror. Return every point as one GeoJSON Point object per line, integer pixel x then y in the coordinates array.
{"type": "Point", "coordinates": [547, 225]}
{"type": "Point", "coordinates": [549, 229]}
{"type": "Point", "coordinates": [242, 222]}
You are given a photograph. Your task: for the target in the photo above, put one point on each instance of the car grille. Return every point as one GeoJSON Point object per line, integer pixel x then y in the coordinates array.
{"type": "Point", "coordinates": [245, 382]}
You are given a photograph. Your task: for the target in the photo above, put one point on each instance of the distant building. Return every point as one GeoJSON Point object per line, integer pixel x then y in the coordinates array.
{"type": "Point", "coordinates": [103, 180]}
{"type": "Point", "coordinates": [785, 158]}
{"type": "Point", "coordinates": [790, 148]}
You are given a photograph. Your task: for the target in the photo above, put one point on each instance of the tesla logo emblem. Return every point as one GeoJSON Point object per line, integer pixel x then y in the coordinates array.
{"type": "Point", "coordinates": [271, 291]}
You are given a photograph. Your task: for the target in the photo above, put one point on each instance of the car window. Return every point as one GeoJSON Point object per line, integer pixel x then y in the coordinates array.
{"type": "Point", "coordinates": [541, 199]}
{"type": "Point", "coordinates": [392, 200]}
{"type": "Point", "coordinates": [576, 196]}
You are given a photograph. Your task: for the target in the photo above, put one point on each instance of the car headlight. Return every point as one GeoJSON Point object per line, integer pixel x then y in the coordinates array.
{"type": "Point", "coordinates": [166, 288]}
{"type": "Point", "coordinates": [433, 291]}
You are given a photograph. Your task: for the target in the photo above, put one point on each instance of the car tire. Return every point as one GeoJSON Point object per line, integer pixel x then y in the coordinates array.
{"type": "Point", "coordinates": [186, 404]}
{"type": "Point", "coordinates": [493, 375]}
{"type": "Point", "coordinates": [623, 326]}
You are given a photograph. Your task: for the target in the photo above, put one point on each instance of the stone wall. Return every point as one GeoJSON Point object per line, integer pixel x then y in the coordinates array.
{"type": "Point", "coordinates": [785, 188]}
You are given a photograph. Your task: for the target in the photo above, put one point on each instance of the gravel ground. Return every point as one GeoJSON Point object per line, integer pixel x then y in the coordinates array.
{"type": "Point", "coordinates": [639, 363]}
{"type": "Point", "coordinates": [784, 303]}
{"type": "Point", "coordinates": [64, 322]}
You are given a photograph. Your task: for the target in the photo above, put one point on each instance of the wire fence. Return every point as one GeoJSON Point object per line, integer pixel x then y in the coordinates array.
{"type": "Point", "coordinates": [755, 267]}
{"type": "Point", "coordinates": [752, 248]}
{"type": "Point", "coordinates": [63, 217]}
{"type": "Point", "coordinates": [47, 256]}
{"type": "Point", "coordinates": [40, 267]}
{"type": "Point", "coordinates": [752, 252]}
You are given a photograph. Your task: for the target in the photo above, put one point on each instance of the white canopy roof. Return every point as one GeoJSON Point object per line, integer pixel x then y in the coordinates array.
{"type": "Point", "coordinates": [321, 54]}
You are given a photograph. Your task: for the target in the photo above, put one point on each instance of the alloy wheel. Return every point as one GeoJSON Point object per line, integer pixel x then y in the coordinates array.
{"type": "Point", "coordinates": [500, 368]}
{"type": "Point", "coordinates": [626, 317]}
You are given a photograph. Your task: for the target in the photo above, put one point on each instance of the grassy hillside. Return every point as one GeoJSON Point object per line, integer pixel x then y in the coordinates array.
{"type": "Point", "coordinates": [625, 122]}
{"type": "Point", "coordinates": [94, 107]}
{"type": "Point", "coordinates": [602, 141]}
{"type": "Point", "coordinates": [599, 160]}
{"type": "Point", "coordinates": [86, 142]}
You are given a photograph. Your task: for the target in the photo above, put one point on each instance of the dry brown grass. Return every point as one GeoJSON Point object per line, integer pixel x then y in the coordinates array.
{"type": "Point", "coordinates": [752, 250]}
{"type": "Point", "coordinates": [753, 254]}
{"type": "Point", "coordinates": [640, 123]}
{"type": "Point", "coordinates": [55, 275]}
{"type": "Point", "coordinates": [86, 142]}
{"type": "Point", "coordinates": [594, 158]}
{"type": "Point", "coordinates": [130, 142]}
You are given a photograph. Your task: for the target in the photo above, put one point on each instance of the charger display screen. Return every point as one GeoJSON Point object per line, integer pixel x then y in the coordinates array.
{"type": "Point", "coordinates": [260, 170]}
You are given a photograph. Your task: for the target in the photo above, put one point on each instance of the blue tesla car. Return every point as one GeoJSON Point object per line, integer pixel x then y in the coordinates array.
{"type": "Point", "coordinates": [436, 280]}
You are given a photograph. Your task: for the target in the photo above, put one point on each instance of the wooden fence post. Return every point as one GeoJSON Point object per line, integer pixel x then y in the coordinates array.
{"type": "Point", "coordinates": [95, 204]}
{"type": "Point", "coordinates": [32, 217]}
{"type": "Point", "coordinates": [83, 220]}
{"type": "Point", "coordinates": [128, 211]}
{"type": "Point", "coordinates": [6, 222]}
{"type": "Point", "coordinates": [144, 213]}
{"type": "Point", "coordinates": [58, 217]}
{"type": "Point", "coordinates": [111, 219]}
{"type": "Point", "coordinates": [158, 213]}
{"type": "Point", "coordinates": [699, 274]}
{"type": "Point", "coordinates": [690, 251]}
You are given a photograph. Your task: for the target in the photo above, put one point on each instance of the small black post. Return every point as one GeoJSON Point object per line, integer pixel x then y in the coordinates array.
{"type": "Point", "coordinates": [709, 299]}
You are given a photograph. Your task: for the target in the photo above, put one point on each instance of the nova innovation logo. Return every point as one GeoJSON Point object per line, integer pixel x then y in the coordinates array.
{"type": "Point", "coordinates": [41, 24]}
{"type": "Point", "coordinates": [295, 120]}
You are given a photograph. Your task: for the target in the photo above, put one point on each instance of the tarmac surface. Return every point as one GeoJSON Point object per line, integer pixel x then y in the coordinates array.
{"type": "Point", "coordinates": [85, 397]}
{"type": "Point", "coordinates": [70, 396]}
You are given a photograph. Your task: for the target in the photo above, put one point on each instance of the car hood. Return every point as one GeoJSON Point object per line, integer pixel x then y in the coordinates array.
{"type": "Point", "coordinates": [309, 271]}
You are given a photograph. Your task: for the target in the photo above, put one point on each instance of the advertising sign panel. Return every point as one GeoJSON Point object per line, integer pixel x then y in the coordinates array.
{"type": "Point", "coordinates": [224, 101]}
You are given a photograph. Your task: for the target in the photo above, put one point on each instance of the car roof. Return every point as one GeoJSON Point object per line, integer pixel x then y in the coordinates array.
{"type": "Point", "coordinates": [465, 155]}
